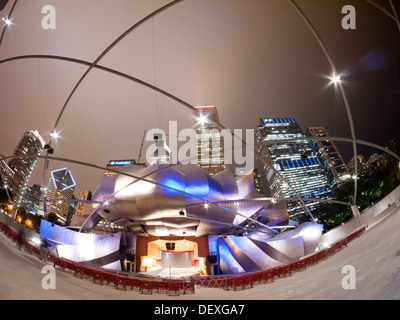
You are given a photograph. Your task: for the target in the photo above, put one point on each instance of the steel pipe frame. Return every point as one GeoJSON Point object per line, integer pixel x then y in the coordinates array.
{"type": "Point", "coordinates": [9, 18]}
{"type": "Point", "coordinates": [148, 85]}
{"type": "Point", "coordinates": [393, 16]}
{"type": "Point", "coordinates": [335, 73]}
{"type": "Point", "coordinates": [220, 126]}
{"type": "Point", "coordinates": [135, 177]}
{"type": "Point", "coordinates": [152, 87]}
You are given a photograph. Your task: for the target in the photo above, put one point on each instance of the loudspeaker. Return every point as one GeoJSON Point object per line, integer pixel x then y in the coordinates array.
{"type": "Point", "coordinates": [212, 259]}
{"type": "Point", "coordinates": [130, 257]}
{"type": "Point", "coordinates": [170, 246]}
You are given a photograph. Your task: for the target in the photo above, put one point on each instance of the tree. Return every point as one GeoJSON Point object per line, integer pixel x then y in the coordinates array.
{"type": "Point", "coordinates": [31, 221]}
{"type": "Point", "coordinates": [332, 214]}
{"type": "Point", "coordinates": [52, 217]}
{"type": "Point", "coordinates": [373, 183]}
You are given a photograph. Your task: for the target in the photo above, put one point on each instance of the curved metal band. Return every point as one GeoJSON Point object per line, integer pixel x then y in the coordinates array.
{"type": "Point", "coordinates": [343, 93]}
{"type": "Point", "coordinates": [187, 105]}
{"type": "Point", "coordinates": [135, 177]}
{"type": "Point", "coordinates": [112, 45]}
{"type": "Point", "coordinates": [9, 17]}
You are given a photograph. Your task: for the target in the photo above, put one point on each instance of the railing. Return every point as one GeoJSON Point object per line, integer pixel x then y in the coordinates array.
{"type": "Point", "coordinates": [178, 286]}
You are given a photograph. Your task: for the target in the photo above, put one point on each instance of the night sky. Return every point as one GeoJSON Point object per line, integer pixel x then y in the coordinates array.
{"type": "Point", "coordinates": [251, 59]}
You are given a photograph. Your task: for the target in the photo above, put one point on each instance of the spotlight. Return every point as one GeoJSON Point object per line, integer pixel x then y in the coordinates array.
{"type": "Point", "coordinates": [55, 135]}
{"type": "Point", "coordinates": [202, 119]}
{"type": "Point", "coordinates": [7, 21]}
{"type": "Point", "coordinates": [335, 78]}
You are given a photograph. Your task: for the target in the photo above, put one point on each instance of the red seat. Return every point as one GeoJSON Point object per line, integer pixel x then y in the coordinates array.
{"type": "Point", "coordinates": [99, 277]}
{"type": "Point", "coordinates": [275, 272]}
{"type": "Point", "coordinates": [162, 287]}
{"type": "Point", "coordinates": [247, 282]}
{"type": "Point", "coordinates": [147, 287]}
{"type": "Point", "coordinates": [174, 287]}
{"type": "Point", "coordinates": [229, 283]}
{"type": "Point", "coordinates": [155, 285]}
{"type": "Point", "coordinates": [122, 282]}
{"type": "Point", "coordinates": [136, 284]}
{"type": "Point", "coordinates": [238, 283]}
{"type": "Point", "coordinates": [110, 279]}
{"type": "Point", "coordinates": [255, 278]}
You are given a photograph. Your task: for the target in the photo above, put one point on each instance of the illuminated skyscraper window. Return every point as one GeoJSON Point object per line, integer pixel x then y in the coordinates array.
{"type": "Point", "coordinates": [329, 157]}
{"type": "Point", "coordinates": [295, 161]}
{"type": "Point", "coordinates": [18, 170]}
{"type": "Point", "coordinates": [210, 144]}
{"type": "Point", "coordinates": [59, 189]}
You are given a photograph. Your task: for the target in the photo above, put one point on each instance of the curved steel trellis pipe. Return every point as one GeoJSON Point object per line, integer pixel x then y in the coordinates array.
{"type": "Point", "coordinates": [343, 93]}
{"type": "Point", "coordinates": [135, 177]}
{"type": "Point", "coordinates": [219, 125]}
{"type": "Point", "coordinates": [9, 18]}
{"type": "Point", "coordinates": [395, 13]}
{"type": "Point", "coordinates": [393, 16]}
{"type": "Point", "coordinates": [94, 63]}
{"type": "Point", "coordinates": [152, 87]}
{"type": "Point", "coordinates": [112, 45]}
{"type": "Point", "coordinates": [171, 96]}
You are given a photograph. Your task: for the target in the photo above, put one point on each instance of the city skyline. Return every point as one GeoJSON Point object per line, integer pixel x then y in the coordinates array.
{"type": "Point", "coordinates": [251, 60]}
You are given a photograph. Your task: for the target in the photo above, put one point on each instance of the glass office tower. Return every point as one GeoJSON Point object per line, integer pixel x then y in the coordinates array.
{"type": "Point", "coordinates": [295, 161]}
{"type": "Point", "coordinates": [329, 157]}
{"type": "Point", "coordinates": [210, 143]}
{"type": "Point", "coordinates": [17, 171]}
{"type": "Point", "coordinates": [59, 189]}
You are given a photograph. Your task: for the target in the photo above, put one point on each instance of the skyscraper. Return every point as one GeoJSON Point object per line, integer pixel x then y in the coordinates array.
{"type": "Point", "coordinates": [329, 157]}
{"type": "Point", "coordinates": [258, 183]}
{"type": "Point", "coordinates": [31, 200]}
{"type": "Point", "coordinates": [17, 171]}
{"type": "Point", "coordinates": [59, 187]}
{"type": "Point", "coordinates": [210, 143]}
{"type": "Point", "coordinates": [83, 195]}
{"type": "Point", "coordinates": [295, 161]}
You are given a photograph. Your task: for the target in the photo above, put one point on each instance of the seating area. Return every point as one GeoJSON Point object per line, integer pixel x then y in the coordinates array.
{"type": "Point", "coordinates": [185, 285]}
{"type": "Point", "coordinates": [249, 280]}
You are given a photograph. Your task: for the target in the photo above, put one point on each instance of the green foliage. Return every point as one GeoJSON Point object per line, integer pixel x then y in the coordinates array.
{"type": "Point", "coordinates": [373, 184]}
{"type": "Point", "coordinates": [332, 214]}
{"type": "Point", "coordinates": [30, 220]}
{"type": "Point", "coordinates": [52, 217]}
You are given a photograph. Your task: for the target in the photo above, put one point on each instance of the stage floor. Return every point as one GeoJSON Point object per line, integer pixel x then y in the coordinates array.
{"type": "Point", "coordinates": [173, 273]}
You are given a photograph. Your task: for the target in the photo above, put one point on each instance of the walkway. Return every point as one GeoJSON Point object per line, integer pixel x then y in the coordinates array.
{"type": "Point", "coordinates": [375, 256]}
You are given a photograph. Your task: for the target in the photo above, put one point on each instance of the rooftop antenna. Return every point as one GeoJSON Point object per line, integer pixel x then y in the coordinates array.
{"type": "Point", "coordinates": [141, 147]}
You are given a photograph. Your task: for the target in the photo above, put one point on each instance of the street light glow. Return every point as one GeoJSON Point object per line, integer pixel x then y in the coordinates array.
{"type": "Point", "coordinates": [55, 135]}
{"type": "Point", "coordinates": [202, 119]}
{"type": "Point", "coordinates": [335, 78]}
{"type": "Point", "coordinates": [7, 21]}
